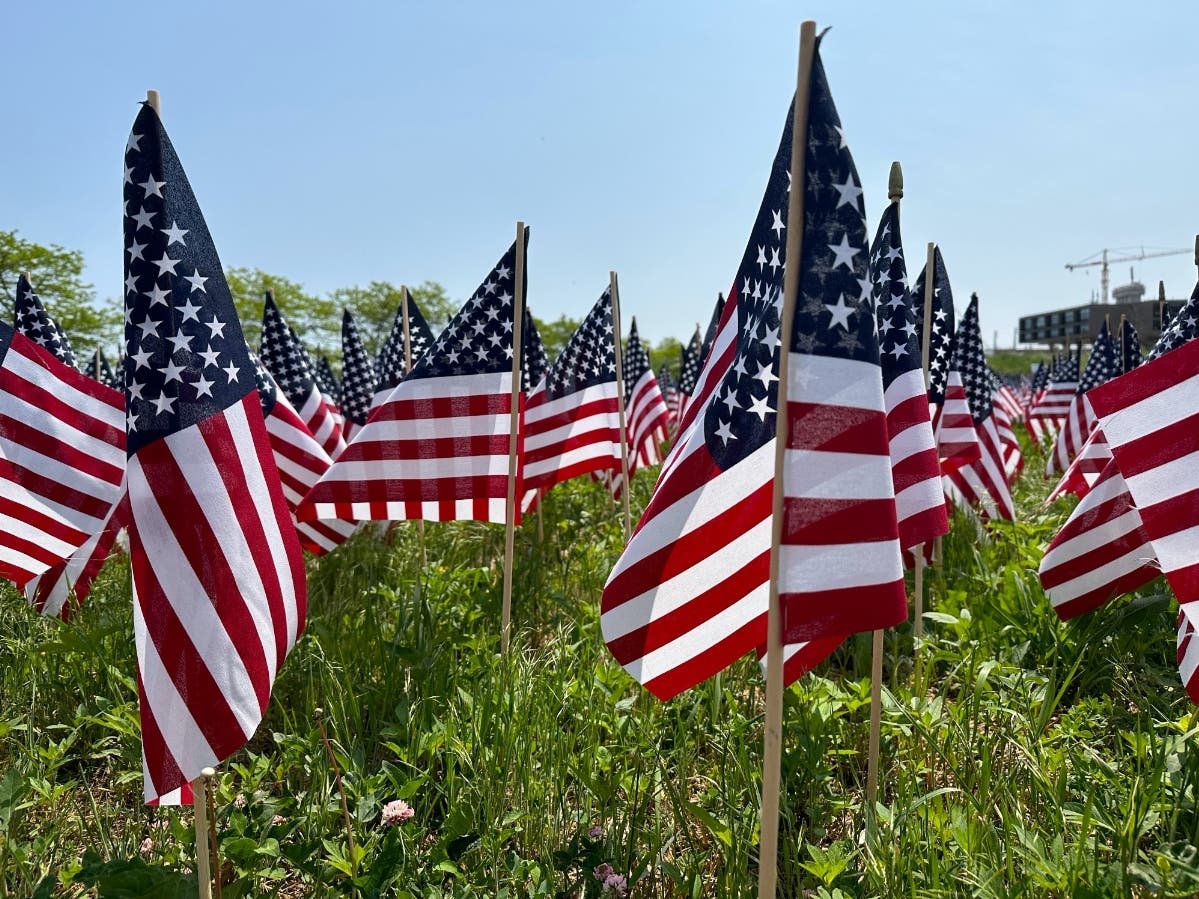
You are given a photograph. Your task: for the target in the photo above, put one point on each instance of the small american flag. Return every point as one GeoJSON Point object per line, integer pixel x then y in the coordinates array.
{"type": "Point", "coordinates": [689, 365]}
{"type": "Point", "coordinates": [953, 427]}
{"type": "Point", "coordinates": [1080, 420]}
{"type": "Point", "coordinates": [1054, 402]}
{"type": "Point", "coordinates": [31, 319]}
{"type": "Point", "coordinates": [287, 361]}
{"type": "Point", "coordinates": [1130, 347]}
{"type": "Point", "coordinates": [1150, 418]}
{"type": "Point", "coordinates": [357, 377]}
{"type": "Point", "coordinates": [690, 592]}
{"type": "Point", "coordinates": [919, 498]}
{"type": "Point", "coordinates": [391, 364]}
{"type": "Point", "coordinates": [983, 482]}
{"type": "Point", "coordinates": [299, 461]}
{"type": "Point", "coordinates": [326, 380]}
{"type": "Point", "coordinates": [218, 575]}
{"type": "Point", "coordinates": [438, 448]}
{"type": "Point", "coordinates": [648, 416]}
{"type": "Point", "coordinates": [713, 326]}
{"type": "Point", "coordinates": [670, 393]}
{"type": "Point", "coordinates": [572, 425]}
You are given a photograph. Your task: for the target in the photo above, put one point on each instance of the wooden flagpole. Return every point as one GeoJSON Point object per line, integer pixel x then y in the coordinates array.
{"type": "Point", "coordinates": [200, 808]}
{"type": "Point", "coordinates": [1121, 341]}
{"type": "Point", "coordinates": [614, 291]}
{"type": "Point", "coordinates": [894, 194]}
{"type": "Point", "coordinates": [420, 522]}
{"type": "Point", "coordinates": [518, 314]}
{"type": "Point", "coordinates": [1161, 301]}
{"type": "Point", "coordinates": [772, 750]}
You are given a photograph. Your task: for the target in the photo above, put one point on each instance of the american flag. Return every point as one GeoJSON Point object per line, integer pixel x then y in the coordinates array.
{"type": "Point", "coordinates": [953, 428]}
{"type": "Point", "coordinates": [1188, 651]}
{"type": "Point", "coordinates": [690, 594]}
{"type": "Point", "coordinates": [984, 482]}
{"type": "Point", "coordinates": [1150, 418]}
{"type": "Point", "coordinates": [713, 325]}
{"type": "Point", "coordinates": [62, 457]}
{"type": "Point", "coordinates": [1007, 411]}
{"type": "Point", "coordinates": [438, 448]}
{"type": "Point", "coordinates": [326, 380]}
{"type": "Point", "coordinates": [31, 319]}
{"type": "Point", "coordinates": [571, 423]}
{"type": "Point", "coordinates": [1104, 548]}
{"type": "Point", "coordinates": [915, 470]}
{"type": "Point", "coordinates": [670, 393]}
{"type": "Point", "coordinates": [1054, 402]}
{"type": "Point", "coordinates": [286, 360]}
{"type": "Point", "coordinates": [100, 370]}
{"type": "Point", "coordinates": [647, 414]}
{"type": "Point", "coordinates": [357, 378]}
{"type": "Point", "coordinates": [299, 461]}
{"type": "Point", "coordinates": [1080, 420]}
{"type": "Point", "coordinates": [1041, 430]}
{"type": "Point", "coordinates": [689, 366]}
{"type": "Point", "coordinates": [391, 364]}
{"type": "Point", "coordinates": [1130, 346]}
{"type": "Point", "coordinates": [218, 575]}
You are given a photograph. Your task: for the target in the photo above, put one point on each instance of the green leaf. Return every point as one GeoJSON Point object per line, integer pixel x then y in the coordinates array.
{"type": "Point", "coordinates": [133, 879]}
{"type": "Point", "coordinates": [12, 791]}
{"type": "Point", "coordinates": [718, 828]}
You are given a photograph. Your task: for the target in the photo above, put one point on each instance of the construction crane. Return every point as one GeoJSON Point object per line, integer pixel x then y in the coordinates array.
{"type": "Point", "coordinates": [1086, 263]}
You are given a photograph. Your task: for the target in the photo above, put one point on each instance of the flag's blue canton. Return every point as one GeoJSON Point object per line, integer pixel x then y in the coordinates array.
{"type": "Point", "coordinates": [970, 360]}
{"type": "Point", "coordinates": [391, 365]}
{"type": "Point", "coordinates": [635, 362]}
{"type": "Point", "coordinates": [31, 319]}
{"type": "Point", "coordinates": [834, 313]}
{"type": "Point", "coordinates": [327, 381]}
{"type": "Point", "coordinates": [283, 355]}
{"type": "Point", "coordinates": [268, 393]}
{"type": "Point", "coordinates": [689, 366]}
{"type": "Point", "coordinates": [357, 373]}
{"type": "Point", "coordinates": [187, 356]}
{"type": "Point", "coordinates": [1181, 328]}
{"type": "Point", "coordinates": [589, 357]}
{"type": "Point", "coordinates": [713, 326]}
{"type": "Point", "coordinates": [479, 338]}
{"type": "Point", "coordinates": [898, 344]}
{"type": "Point", "coordinates": [940, 340]}
{"type": "Point", "coordinates": [1065, 369]}
{"type": "Point", "coordinates": [1130, 347]}
{"type": "Point", "coordinates": [534, 361]}
{"type": "Point", "coordinates": [1041, 379]}
{"type": "Point", "coordinates": [1102, 364]}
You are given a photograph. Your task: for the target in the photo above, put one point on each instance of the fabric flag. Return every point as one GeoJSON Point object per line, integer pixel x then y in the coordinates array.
{"type": "Point", "coordinates": [1005, 396]}
{"type": "Point", "coordinates": [647, 414]}
{"type": "Point", "coordinates": [670, 394]}
{"type": "Point", "coordinates": [1104, 548]}
{"type": "Point", "coordinates": [100, 370]}
{"type": "Point", "coordinates": [285, 359]}
{"type": "Point", "coordinates": [299, 462]}
{"type": "Point", "coordinates": [218, 575]}
{"type": "Point", "coordinates": [1130, 346]}
{"type": "Point", "coordinates": [1188, 652]}
{"type": "Point", "coordinates": [713, 325]}
{"type": "Point", "coordinates": [915, 470]}
{"type": "Point", "coordinates": [690, 592]}
{"type": "Point", "coordinates": [1007, 410]}
{"type": "Point", "coordinates": [1041, 430]}
{"type": "Point", "coordinates": [391, 365]}
{"type": "Point", "coordinates": [327, 381]}
{"type": "Point", "coordinates": [1150, 418]}
{"type": "Point", "coordinates": [1080, 420]}
{"type": "Point", "coordinates": [572, 423]}
{"type": "Point", "coordinates": [438, 448]}
{"type": "Point", "coordinates": [62, 457]}
{"type": "Point", "coordinates": [953, 428]}
{"type": "Point", "coordinates": [357, 378]}
{"type": "Point", "coordinates": [983, 483]}
{"type": "Point", "coordinates": [31, 319]}
{"type": "Point", "coordinates": [1054, 403]}
{"type": "Point", "coordinates": [688, 372]}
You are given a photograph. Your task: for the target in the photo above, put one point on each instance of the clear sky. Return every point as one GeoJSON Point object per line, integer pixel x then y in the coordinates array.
{"type": "Point", "coordinates": [340, 143]}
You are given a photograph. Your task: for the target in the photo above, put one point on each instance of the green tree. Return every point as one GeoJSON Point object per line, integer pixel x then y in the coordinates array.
{"type": "Point", "coordinates": [556, 333]}
{"type": "Point", "coordinates": [57, 275]}
{"type": "Point", "coordinates": [666, 351]}
{"type": "Point", "coordinates": [374, 308]}
{"type": "Point", "coordinates": [315, 319]}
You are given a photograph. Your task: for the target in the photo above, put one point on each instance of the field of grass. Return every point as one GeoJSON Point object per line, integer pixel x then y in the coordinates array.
{"type": "Point", "coordinates": [1020, 756]}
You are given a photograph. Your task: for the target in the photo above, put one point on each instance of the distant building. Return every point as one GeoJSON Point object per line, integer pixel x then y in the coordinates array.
{"type": "Point", "coordinates": [1066, 327]}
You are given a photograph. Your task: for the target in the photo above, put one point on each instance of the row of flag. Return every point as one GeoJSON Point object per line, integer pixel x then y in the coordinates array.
{"type": "Point", "coordinates": [223, 465]}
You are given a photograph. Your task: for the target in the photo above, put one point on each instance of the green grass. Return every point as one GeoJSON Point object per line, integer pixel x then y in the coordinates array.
{"type": "Point", "coordinates": [1021, 757]}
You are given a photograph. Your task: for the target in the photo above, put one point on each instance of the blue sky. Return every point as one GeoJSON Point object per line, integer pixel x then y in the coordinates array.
{"type": "Point", "coordinates": [340, 143]}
